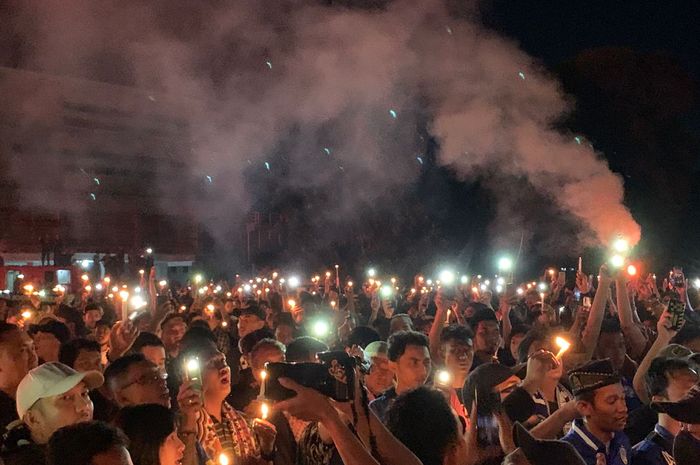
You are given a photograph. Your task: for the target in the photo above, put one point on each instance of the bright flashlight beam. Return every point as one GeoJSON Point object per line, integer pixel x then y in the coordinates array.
{"type": "Point", "coordinates": [505, 264]}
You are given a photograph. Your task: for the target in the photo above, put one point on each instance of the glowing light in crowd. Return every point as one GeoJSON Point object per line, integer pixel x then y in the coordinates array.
{"type": "Point", "coordinates": [632, 270]}
{"type": "Point", "coordinates": [85, 263]}
{"type": "Point", "coordinates": [163, 283]}
{"type": "Point", "coordinates": [393, 113]}
{"type": "Point", "coordinates": [487, 282]}
{"type": "Point", "coordinates": [327, 150]}
{"type": "Point", "coordinates": [621, 245]}
{"type": "Point", "coordinates": [26, 314]}
{"type": "Point", "coordinates": [267, 166]}
{"type": "Point", "coordinates": [420, 160]}
{"type": "Point", "coordinates": [247, 288]}
{"type": "Point", "coordinates": [447, 277]}
{"type": "Point", "coordinates": [269, 64]}
{"type": "Point", "coordinates": [542, 286]}
{"type": "Point", "coordinates": [617, 261]}
{"type": "Point", "coordinates": [85, 277]}
{"type": "Point", "coordinates": [223, 459]}
{"type": "Point", "coordinates": [198, 278]}
{"type": "Point", "coordinates": [98, 286]}
{"type": "Point", "coordinates": [142, 272]}
{"type": "Point", "coordinates": [387, 291]}
{"type": "Point", "coordinates": [29, 288]}
{"type": "Point", "coordinates": [292, 303]}
{"type": "Point", "coordinates": [499, 288]}
{"type": "Point", "coordinates": [444, 378]}
{"type": "Point", "coordinates": [264, 410]}
{"type": "Point", "coordinates": [293, 282]}
{"type": "Point", "coordinates": [149, 251]}
{"type": "Point", "coordinates": [464, 279]}
{"type": "Point", "coordinates": [505, 264]}
{"type": "Point", "coordinates": [520, 291]}
{"type": "Point", "coordinates": [696, 283]}
{"type": "Point", "coordinates": [137, 302]}
{"type": "Point", "coordinates": [522, 75]}
{"type": "Point", "coordinates": [124, 295]}
{"type": "Point", "coordinates": [371, 272]}
{"type": "Point", "coordinates": [321, 328]}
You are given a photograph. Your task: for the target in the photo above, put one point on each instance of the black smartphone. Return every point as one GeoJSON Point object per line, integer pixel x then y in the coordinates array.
{"type": "Point", "coordinates": [676, 309]}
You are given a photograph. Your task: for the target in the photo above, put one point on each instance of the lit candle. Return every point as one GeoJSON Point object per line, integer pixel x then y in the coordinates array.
{"type": "Point", "coordinates": [580, 264]}
{"type": "Point", "coordinates": [263, 377]}
{"type": "Point", "coordinates": [264, 410]}
{"type": "Point", "coordinates": [563, 345]}
{"type": "Point", "coordinates": [223, 459]}
{"type": "Point", "coordinates": [124, 295]}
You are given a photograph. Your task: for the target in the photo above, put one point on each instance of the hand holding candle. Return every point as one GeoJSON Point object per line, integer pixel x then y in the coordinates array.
{"type": "Point", "coordinates": [563, 345]}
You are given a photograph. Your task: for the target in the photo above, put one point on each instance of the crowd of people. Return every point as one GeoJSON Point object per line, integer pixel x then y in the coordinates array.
{"type": "Point", "coordinates": [573, 369]}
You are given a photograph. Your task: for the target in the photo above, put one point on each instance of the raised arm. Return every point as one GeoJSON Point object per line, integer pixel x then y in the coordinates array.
{"type": "Point", "coordinates": [665, 334]}
{"type": "Point", "coordinates": [438, 325]}
{"type": "Point", "coordinates": [595, 317]}
{"type": "Point", "coordinates": [634, 336]}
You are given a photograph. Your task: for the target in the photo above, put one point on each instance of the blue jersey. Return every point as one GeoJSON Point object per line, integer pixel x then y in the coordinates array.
{"type": "Point", "coordinates": [381, 404]}
{"type": "Point", "coordinates": [656, 449]}
{"type": "Point", "coordinates": [618, 452]}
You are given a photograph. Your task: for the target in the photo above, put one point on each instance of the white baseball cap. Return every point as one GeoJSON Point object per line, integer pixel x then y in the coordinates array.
{"type": "Point", "coordinates": [51, 379]}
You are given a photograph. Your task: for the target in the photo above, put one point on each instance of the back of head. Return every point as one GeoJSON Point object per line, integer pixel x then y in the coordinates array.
{"type": "Point", "coordinates": [119, 369]}
{"type": "Point", "coordinates": [247, 343]}
{"type": "Point", "coordinates": [146, 340]}
{"type": "Point", "coordinates": [147, 427]}
{"type": "Point", "coordinates": [78, 444]}
{"type": "Point", "coordinates": [399, 341]}
{"type": "Point", "coordinates": [304, 349]}
{"type": "Point", "coordinates": [5, 330]}
{"type": "Point", "coordinates": [428, 408]}
{"type": "Point", "coordinates": [456, 333]}
{"type": "Point", "coordinates": [661, 370]}
{"type": "Point", "coordinates": [362, 336]}
{"type": "Point", "coordinates": [69, 351]}
{"type": "Point", "coordinates": [532, 336]}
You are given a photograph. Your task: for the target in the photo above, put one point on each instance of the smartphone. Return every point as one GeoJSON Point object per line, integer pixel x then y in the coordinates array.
{"type": "Point", "coordinates": [676, 309]}
{"type": "Point", "coordinates": [193, 373]}
{"type": "Point", "coordinates": [677, 277]}
{"type": "Point", "coordinates": [487, 431]}
{"type": "Point", "coordinates": [562, 277]}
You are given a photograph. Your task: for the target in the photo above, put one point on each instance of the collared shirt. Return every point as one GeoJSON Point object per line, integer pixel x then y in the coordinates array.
{"type": "Point", "coordinates": [380, 405]}
{"type": "Point", "coordinates": [656, 449]}
{"type": "Point", "coordinates": [618, 452]}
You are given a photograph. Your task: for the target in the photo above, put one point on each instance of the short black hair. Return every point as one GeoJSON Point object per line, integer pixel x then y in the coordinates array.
{"type": "Point", "coordinates": [78, 444]}
{"type": "Point", "coordinates": [268, 342]}
{"type": "Point", "coordinates": [362, 336]}
{"type": "Point", "coordinates": [171, 316]}
{"type": "Point", "coordinates": [92, 306]}
{"type": "Point", "coordinates": [120, 367]}
{"type": "Point", "coordinates": [55, 327]}
{"type": "Point", "coordinates": [687, 333]}
{"type": "Point", "coordinates": [661, 368]}
{"type": "Point", "coordinates": [532, 336]}
{"type": "Point", "coordinates": [146, 340]}
{"type": "Point", "coordinates": [399, 340]}
{"type": "Point", "coordinates": [246, 344]}
{"type": "Point", "coordinates": [428, 408]}
{"type": "Point", "coordinates": [147, 427]}
{"type": "Point", "coordinates": [303, 348]}
{"type": "Point", "coordinates": [458, 333]}
{"type": "Point", "coordinates": [68, 353]}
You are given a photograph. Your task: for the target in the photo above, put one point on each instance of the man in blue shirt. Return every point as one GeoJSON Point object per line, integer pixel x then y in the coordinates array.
{"type": "Point", "coordinates": [409, 359]}
{"type": "Point", "coordinates": [600, 399]}
{"type": "Point", "coordinates": [669, 380]}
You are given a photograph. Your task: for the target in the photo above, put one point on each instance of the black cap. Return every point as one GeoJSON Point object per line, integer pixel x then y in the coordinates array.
{"type": "Point", "coordinates": [545, 452]}
{"type": "Point", "coordinates": [593, 375]}
{"type": "Point", "coordinates": [480, 384]}
{"type": "Point", "coordinates": [253, 310]}
{"type": "Point", "coordinates": [686, 410]}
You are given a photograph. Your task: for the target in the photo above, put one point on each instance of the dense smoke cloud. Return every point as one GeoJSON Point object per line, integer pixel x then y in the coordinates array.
{"type": "Point", "coordinates": [335, 101]}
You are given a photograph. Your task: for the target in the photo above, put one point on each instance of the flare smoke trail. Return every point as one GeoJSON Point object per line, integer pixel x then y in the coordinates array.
{"type": "Point", "coordinates": [335, 100]}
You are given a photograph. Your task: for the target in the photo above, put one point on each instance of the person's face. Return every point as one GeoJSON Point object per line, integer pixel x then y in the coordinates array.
{"type": "Point", "coordinates": [91, 317]}
{"type": "Point", "coordinates": [262, 356]}
{"type": "Point", "coordinates": [114, 456]}
{"type": "Point", "coordinates": [172, 450]}
{"type": "Point", "coordinates": [228, 306]}
{"type": "Point", "coordinates": [144, 384]}
{"type": "Point", "coordinates": [248, 323]}
{"type": "Point", "coordinates": [515, 345]}
{"type": "Point", "coordinates": [612, 346]}
{"type": "Point", "coordinates": [88, 360]}
{"type": "Point", "coordinates": [608, 412]}
{"type": "Point", "coordinates": [412, 368]}
{"type": "Point", "coordinates": [51, 413]}
{"type": "Point", "coordinates": [679, 383]}
{"type": "Point", "coordinates": [173, 331]}
{"type": "Point", "coordinates": [400, 323]}
{"type": "Point", "coordinates": [155, 355]}
{"type": "Point", "coordinates": [102, 334]}
{"type": "Point", "coordinates": [459, 356]}
{"type": "Point", "coordinates": [380, 377]}
{"type": "Point", "coordinates": [17, 357]}
{"type": "Point", "coordinates": [488, 336]}
{"type": "Point", "coordinates": [216, 376]}
{"type": "Point", "coordinates": [506, 387]}
{"type": "Point", "coordinates": [284, 334]}
{"type": "Point", "coordinates": [47, 346]}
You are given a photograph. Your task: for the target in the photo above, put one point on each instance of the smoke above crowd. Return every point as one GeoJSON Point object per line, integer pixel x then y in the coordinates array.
{"type": "Point", "coordinates": [337, 102]}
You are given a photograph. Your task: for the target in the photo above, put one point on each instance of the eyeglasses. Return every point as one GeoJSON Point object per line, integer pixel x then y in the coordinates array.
{"type": "Point", "coordinates": [148, 378]}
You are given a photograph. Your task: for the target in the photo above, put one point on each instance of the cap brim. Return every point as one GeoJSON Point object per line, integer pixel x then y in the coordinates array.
{"type": "Point", "coordinates": [92, 380]}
